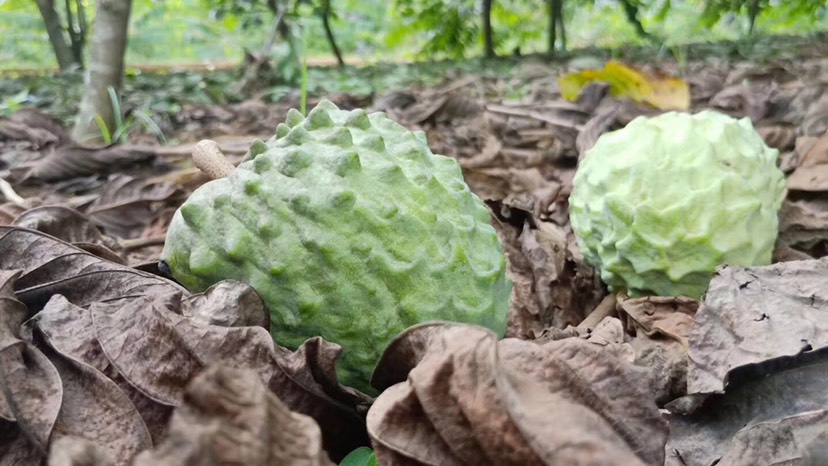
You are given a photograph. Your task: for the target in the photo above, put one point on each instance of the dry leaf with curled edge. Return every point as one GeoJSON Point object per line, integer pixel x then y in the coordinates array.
{"type": "Point", "coordinates": [803, 230]}
{"type": "Point", "coordinates": [126, 205]}
{"type": "Point", "coordinates": [61, 222]}
{"type": "Point", "coordinates": [51, 267]}
{"type": "Point", "coordinates": [455, 395]}
{"type": "Point", "coordinates": [552, 286]}
{"type": "Point", "coordinates": [51, 396]}
{"type": "Point", "coordinates": [812, 173]}
{"type": "Point", "coordinates": [70, 331]}
{"type": "Point", "coordinates": [770, 414]}
{"type": "Point", "coordinates": [661, 326]}
{"type": "Point", "coordinates": [150, 338]}
{"type": "Point", "coordinates": [30, 386]}
{"type": "Point", "coordinates": [752, 315]}
{"type": "Point", "coordinates": [230, 417]}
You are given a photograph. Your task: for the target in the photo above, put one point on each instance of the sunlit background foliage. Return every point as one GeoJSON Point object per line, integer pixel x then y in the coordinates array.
{"type": "Point", "coordinates": [216, 31]}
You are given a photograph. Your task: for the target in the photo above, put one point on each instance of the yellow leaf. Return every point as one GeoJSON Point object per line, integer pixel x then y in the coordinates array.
{"type": "Point", "coordinates": [662, 92]}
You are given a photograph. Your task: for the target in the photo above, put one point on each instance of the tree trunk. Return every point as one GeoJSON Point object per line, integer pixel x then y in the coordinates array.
{"type": "Point", "coordinates": [561, 28]}
{"type": "Point", "coordinates": [556, 25]}
{"type": "Point", "coordinates": [631, 11]}
{"type": "Point", "coordinates": [488, 40]}
{"type": "Point", "coordinates": [51, 19]}
{"type": "Point", "coordinates": [254, 63]}
{"type": "Point", "coordinates": [106, 69]}
{"type": "Point", "coordinates": [753, 12]}
{"type": "Point", "coordinates": [77, 29]}
{"type": "Point", "coordinates": [326, 14]}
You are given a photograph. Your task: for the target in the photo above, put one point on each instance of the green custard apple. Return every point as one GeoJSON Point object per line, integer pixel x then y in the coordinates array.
{"type": "Point", "coordinates": [658, 205]}
{"type": "Point", "coordinates": [349, 228]}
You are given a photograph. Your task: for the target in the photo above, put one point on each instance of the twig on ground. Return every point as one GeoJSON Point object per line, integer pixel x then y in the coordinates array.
{"type": "Point", "coordinates": [9, 193]}
{"type": "Point", "coordinates": [604, 309]}
{"type": "Point", "coordinates": [138, 243]}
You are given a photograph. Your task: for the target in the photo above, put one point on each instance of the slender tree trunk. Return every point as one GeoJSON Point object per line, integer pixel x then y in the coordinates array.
{"type": "Point", "coordinates": [488, 40]}
{"type": "Point", "coordinates": [325, 15]}
{"type": "Point", "coordinates": [561, 25]}
{"type": "Point", "coordinates": [631, 11]}
{"type": "Point", "coordinates": [753, 12]}
{"type": "Point", "coordinates": [254, 62]}
{"type": "Point", "coordinates": [51, 19]}
{"type": "Point", "coordinates": [556, 25]}
{"type": "Point", "coordinates": [106, 69]}
{"type": "Point", "coordinates": [77, 31]}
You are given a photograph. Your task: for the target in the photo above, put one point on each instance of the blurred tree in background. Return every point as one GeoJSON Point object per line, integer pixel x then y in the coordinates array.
{"type": "Point", "coordinates": [268, 40]}
{"type": "Point", "coordinates": [72, 25]}
{"type": "Point", "coordinates": [187, 31]}
{"type": "Point", "coordinates": [97, 113]}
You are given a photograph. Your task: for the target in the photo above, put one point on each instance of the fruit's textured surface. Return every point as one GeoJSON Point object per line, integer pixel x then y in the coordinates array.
{"type": "Point", "coordinates": [349, 228]}
{"type": "Point", "coordinates": [659, 204]}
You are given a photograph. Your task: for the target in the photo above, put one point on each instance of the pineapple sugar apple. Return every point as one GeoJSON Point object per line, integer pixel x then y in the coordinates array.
{"type": "Point", "coordinates": [658, 205]}
{"type": "Point", "coordinates": [349, 228]}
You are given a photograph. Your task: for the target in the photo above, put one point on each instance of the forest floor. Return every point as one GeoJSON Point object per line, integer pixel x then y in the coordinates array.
{"type": "Point", "coordinates": [103, 357]}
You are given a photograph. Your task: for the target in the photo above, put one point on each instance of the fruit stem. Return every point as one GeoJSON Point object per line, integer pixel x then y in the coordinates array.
{"type": "Point", "coordinates": [208, 158]}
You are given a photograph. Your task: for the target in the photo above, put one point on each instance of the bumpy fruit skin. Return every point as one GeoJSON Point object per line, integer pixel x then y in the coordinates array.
{"type": "Point", "coordinates": [658, 205]}
{"type": "Point", "coordinates": [349, 228]}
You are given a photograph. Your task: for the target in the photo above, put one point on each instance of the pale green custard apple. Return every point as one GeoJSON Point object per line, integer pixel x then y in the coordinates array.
{"type": "Point", "coordinates": [350, 228]}
{"type": "Point", "coordinates": [657, 205]}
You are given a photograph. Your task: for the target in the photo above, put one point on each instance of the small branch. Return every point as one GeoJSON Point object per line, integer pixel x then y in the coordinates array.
{"type": "Point", "coordinates": [8, 192]}
{"type": "Point", "coordinates": [138, 243]}
{"type": "Point", "coordinates": [604, 309]}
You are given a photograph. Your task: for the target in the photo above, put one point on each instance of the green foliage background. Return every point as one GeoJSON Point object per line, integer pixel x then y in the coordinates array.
{"type": "Point", "coordinates": [190, 31]}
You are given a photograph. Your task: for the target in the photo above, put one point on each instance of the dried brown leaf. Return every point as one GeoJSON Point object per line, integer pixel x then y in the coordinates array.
{"type": "Point", "coordinates": [815, 452]}
{"type": "Point", "coordinates": [671, 317]}
{"type": "Point", "coordinates": [7, 215]}
{"type": "Point", "coordinates": [803, 231]}
{"type": "Point", "coordinates": [15, 448]}
{"type": "Point", "coordinates": [61, 222]}
{"type": "Point", "coordinates": [778, 136]}
{"type": "Point", "coordinates": [817, 153]}
{"type": "Point", "coordinates": [29, 382]}
{"type": "Point", "coordinates": [228, 303]}
{"type": "Point", "coordinates": [69, 330]}
{"type": "Point", "coordinates": [69, 161]}
{"type": "Point", "coordinates": [229, 417]}
{"type": "Point", "coordinates": [751, 315]}
{"type": "Point", "coordinates": [812, 173]}
{"type": "Point", "coordinates": [95, 408]}
{"type": "Point", "coordinates": [605, 119]}
{"type": "Point", "coordinates": [34, 126]}
{"type": "Point", "coordinates": [506, 403]}
{"type": "Point", "coordinates": [766, 416]}
{"type": "Point", "coordinates": [144, 346]}
{"type": "Point", "coordinates": [774, 441]}
{"type": "Point", "coordinates": [812, 178]}
{"type": "Point", "coordinates": [177, 346]}
{"type": "Point", "coordinates": [51, 267]}
{"type": "Point", "coordinates": [127, 205]}
{"type": "Point", "coordinates": [749, 98]}
{"type": "Point", "coordinates": [706, 83]}
{"type": "Point", "coordinates": [306, 382]}
{"type": "Point", "coordinates": [815, 122]}
{"type": "Point", "coordinates": [551, 285]}
{"type": "Point", "coordinates": [661, 326]}
{"type": "Point", "coordinates": [77, 451]}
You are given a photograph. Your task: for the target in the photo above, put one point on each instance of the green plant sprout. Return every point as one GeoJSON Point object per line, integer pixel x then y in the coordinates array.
{"type": "Point", "coordinates": [123, 126]}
